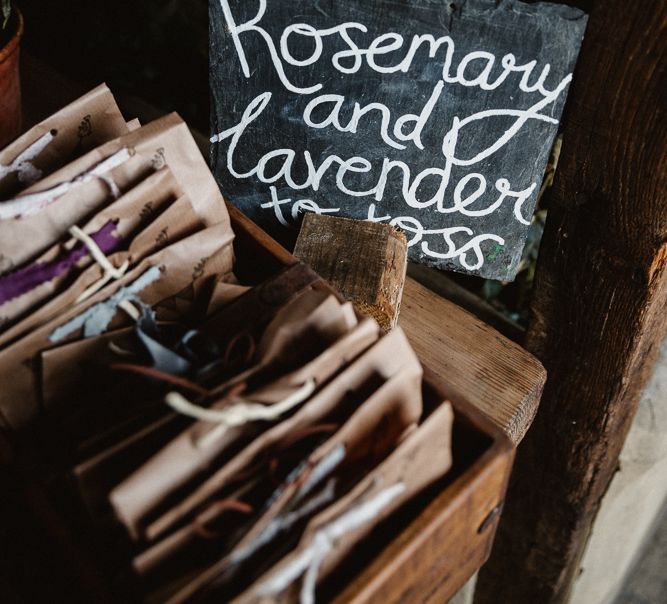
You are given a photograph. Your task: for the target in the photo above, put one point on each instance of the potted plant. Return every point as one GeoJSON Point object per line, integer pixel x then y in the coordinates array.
{"type": "Point", "coordinates": [11, 30]}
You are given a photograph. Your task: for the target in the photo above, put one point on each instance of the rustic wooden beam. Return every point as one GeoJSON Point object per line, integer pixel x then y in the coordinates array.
{"type": "Point", "coordinates": [365, 261]}
{"type": "Point", "coordinates": [480, 365]}
{"type": "Point", "coordinates": [599, 306]}
{"type": "Point", "coordinates": [443, 285]}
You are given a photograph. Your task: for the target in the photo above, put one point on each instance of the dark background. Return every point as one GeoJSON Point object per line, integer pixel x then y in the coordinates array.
{"type": "Point", "coordinates": [154, 49]}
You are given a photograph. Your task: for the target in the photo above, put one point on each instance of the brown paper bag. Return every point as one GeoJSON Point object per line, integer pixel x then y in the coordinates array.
{"type": "Point", "coordinates": [370, 432]}
{"type": "Point", "coordinates": [421, 459]}
{"type": "Point", "coordinates": [358, 381]}
{"type": "Point", "coordinates": [96, 476]}
{"type": "Point", "coordinates": [116, 226]}
{"type": "Point", "coordinates": [157, 278]}
{"type": "Point", "coordinates": [251, 312]}
{"type": "Point", "coordinates": [78, 373]}
{"type": "Point", "coordinates": [327, 363]}
{"type": "Point", "coordinates": [194, 451]}
{"type": "Point", "coordinates": [225, 292]}
{"type": "Point", "coordinates": [214, 530]}
{"type": "Point", "coordinates": [173, 224]}
{"type": "Point", "coordinates": [83, 125]}
{"type": "Point", "coordinates": [166, 141]}
{"type": "Point", "coordinates": [299, 331]}
{"type": "Point", "coordinates": [362, 443]}
{"type": "Point", "coordinates": [23, 238]}
{"type": "Point", "coordinates": [93, 407]}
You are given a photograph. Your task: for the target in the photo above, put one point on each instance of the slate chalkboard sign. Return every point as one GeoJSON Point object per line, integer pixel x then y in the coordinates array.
{"type": "Point", "coordinates": [435, 116]}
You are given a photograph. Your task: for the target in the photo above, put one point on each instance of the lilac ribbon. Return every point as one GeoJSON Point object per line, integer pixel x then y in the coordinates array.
{"type": "Point", "coordinates": [27, 278]}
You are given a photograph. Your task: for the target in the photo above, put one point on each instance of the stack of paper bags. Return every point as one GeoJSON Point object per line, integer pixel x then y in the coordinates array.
{"type": "Point", "coordinates": [223, 442]}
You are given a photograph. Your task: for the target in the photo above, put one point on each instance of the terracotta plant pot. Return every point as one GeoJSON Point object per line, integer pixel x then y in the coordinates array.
{"type": "Point", "coordinates": [10, 86]}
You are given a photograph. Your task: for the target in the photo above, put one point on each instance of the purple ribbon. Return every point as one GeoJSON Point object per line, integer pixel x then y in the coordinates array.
{"type": "Point", "coordinates": [27, 278]}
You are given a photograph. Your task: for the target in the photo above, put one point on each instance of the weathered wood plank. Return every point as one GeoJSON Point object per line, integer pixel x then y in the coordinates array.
{"type": "Point", "coordinates": [443, 285]}
{"type": "Point", "coordinates": [600, 302]}
{"type": "Point", "coordinates": [479, 364]}
{"type": "Point", "coordinates": [367, 265]}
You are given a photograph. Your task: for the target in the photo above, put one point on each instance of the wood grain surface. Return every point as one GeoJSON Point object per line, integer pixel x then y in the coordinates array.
{"type": "Point", "coordinates": [600, 303]}
{"type": "Point", "coordinates": [445, 286]}
{"type": "Point", "coordinates": [365, 261]}
{"type": "Point", "coordinates": [479, 364]}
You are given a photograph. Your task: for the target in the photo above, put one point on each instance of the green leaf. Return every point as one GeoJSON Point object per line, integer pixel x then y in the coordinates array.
{"type": "Point", "coordinates": [6, 12]}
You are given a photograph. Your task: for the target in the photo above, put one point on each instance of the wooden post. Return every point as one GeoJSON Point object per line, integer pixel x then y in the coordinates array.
{"type": "Point", "coordinates": [600, 303]}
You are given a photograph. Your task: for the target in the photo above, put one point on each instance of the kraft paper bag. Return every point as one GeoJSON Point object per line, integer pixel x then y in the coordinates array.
{"type": "Point", "coordinates": [175, 223]}
{"type": "Point", "coordinates": [83, 125]}
{"type": "Point", "coordinates": [96, 476]}
{"type": "Point", "coordinates": [298, 332]}
{"type": "Point", "coordinates": [25, 236]}
{"type": "Point", "coordinates": [225, 292]}
{"type": "Point", "coordinates": [251, 312]}
{"type": "Point", "coordinates": [157, 278]}
{"type": "Point", "coordinates": [165, 141]}
{"type": "Point", "coordinates": [188, 455]}
{"type": "Point", "coordinates": [112, 229]}
{"type": "Point", "coordinates": [196, 450]}
{"type": "Point", "coordinates": [326, 364]}
{"type": "Point", "coordinates": [218, 526]}
{"type": "Point", "coordinates": [96, 440]}
{"type": "Point", "coordinates": [46, 210]}
{"type": "Point", "coordinates": [79, 374]}
{"type": "Point", "coordinates": [356, 382]}
{"type": "Point", "coordinates": [361, 443]}
{"type": "Point", "coordinates": [370, 432]}
{"type": "Point", "coordinates": [62, 367]}
{"type": "Point", "coordinates": [419, 461]}
{"type": "Point", "coordinates": [243, 326]}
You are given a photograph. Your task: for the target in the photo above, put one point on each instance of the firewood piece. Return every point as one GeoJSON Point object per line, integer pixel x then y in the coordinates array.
{"type": "Point", "coordinates": [365, 261]}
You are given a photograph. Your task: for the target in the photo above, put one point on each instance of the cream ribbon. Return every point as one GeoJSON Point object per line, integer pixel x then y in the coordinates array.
{"type": "Point", "coordinates": [237, 414]}
{"type": "Point", "coordinates": [308, 562]}
{"type": "Point", "coordinates": [110, 271]}
{"type": "Point", "coordinates": [28, 205]}
{"type": "Point", "coordinates": [22, 166]}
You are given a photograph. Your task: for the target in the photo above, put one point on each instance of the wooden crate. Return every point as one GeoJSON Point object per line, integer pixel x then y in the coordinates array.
{"type": "Point", "coordinates": [425, 553]}
{"type": "Point", "coordinates": [447, 534]}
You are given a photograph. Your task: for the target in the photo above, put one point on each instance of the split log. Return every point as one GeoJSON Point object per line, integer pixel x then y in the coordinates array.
{"type": "Point", "coordinates": [364, 261]}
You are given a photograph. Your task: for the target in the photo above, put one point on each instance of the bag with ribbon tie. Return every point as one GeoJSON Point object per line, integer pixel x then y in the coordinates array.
{"type": "Point", "coordinates": [147, 217]}
{"type": "Point", "coordinates": [82, 125]}
{"type": "Point", "coordinates": [191, 262]}
{"type": "Point", "coordinates": [42, 214]}
{"type": "Point", "coordinates": [223, 425]}
{"type": "Point", "coordinates": [227, 434]}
